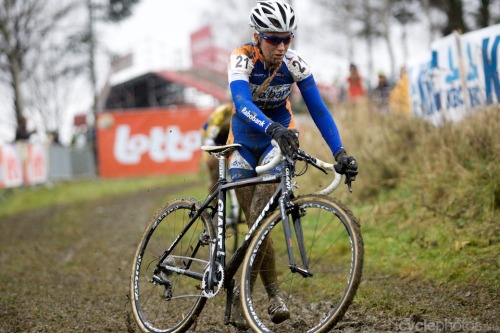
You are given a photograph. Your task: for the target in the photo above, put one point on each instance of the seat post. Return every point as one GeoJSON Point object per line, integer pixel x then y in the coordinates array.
{"type": "Point", "coordinates": [222, 167]}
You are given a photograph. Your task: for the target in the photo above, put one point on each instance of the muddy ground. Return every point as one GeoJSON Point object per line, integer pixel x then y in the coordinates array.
{"type": "Point", "coordinates": [66, 269]}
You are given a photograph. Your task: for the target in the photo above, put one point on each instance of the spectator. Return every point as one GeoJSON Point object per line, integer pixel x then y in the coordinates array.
{"type": "Point", "coordinates": [355, 89]}
{"type": "Point", "coordinates": [22, 132]}
{"type": "Point", "coordinates": [381, 93]}
{"type": "Point", "coordinates": [399, 98]}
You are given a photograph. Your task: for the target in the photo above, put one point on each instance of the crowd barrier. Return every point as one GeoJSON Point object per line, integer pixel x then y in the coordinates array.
{"type": "Point", "coordinates": [129, 144]}
{"type": "Point", "coordinates": [23, 163]}
{"type": "Point", "coordinates": [460, 74]}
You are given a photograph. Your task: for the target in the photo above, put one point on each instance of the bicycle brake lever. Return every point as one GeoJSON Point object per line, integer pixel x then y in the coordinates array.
{"type": "Point", "coordinates": [348, 181]}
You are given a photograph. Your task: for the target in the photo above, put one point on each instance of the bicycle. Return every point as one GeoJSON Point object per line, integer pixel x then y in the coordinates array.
{"type": "Point", "coordinates": [180, 262]}
{"type": "Point", "coordinates": [234, 219]}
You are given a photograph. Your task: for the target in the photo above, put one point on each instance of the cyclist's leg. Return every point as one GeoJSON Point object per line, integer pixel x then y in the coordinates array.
{"type": "Point", "coordinates": [252, 200]}
{"type": "Point", "coordinates": [242, 165]}
{"type": "Point", "coordinates": [260, 198]}
{"type": "Point", "coordinates": [263, 194]}
{"type": "Point", "coordinates": [264, 262]}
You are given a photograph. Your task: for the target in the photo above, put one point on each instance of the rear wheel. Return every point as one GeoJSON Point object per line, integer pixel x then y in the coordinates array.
{"type": "Point", "coordinates": [164, 301]}
{"type": "Point", "coordinates": [334, 251]}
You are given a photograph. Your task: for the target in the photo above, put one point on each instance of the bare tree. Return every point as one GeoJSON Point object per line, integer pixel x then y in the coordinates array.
{"type": "Point", "coordinates": [342, 19]}
{"type": "Point", "coordinates": [102, 11]}
{"type": "Point", "coordinates": [26, 26]}
{"type": "Point", "coordinates": [404, 13]}
{"type": "Point", "coordinates": [454, 11]}
{"type": "Point", "coordinates": [482, 13]}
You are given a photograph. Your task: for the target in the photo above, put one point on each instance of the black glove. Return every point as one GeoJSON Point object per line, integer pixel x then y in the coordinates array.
{"type": "Point", "coordinates": [286, 139]}
{"type": "Point", "coordinates": [347, 165]}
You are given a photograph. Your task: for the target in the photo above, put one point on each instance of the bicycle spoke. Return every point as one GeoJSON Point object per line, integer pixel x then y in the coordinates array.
{"type": "Point", "coordinates": [166, 300]}
{"type": "Point", "coordinates": [315, 303]}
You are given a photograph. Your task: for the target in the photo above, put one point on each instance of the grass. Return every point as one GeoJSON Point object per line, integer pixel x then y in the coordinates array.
{"type": "Point", "coordinates": [16, 200]}
{"type": "Point", "coordinates": [427, 199]}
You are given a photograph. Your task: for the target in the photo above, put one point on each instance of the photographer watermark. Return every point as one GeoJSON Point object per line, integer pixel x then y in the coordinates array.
{"type": "Point", "coordinates": [445, 326]}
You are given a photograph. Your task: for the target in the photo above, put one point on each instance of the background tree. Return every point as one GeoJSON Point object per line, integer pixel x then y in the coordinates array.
{"type": "Point", "coordinates": [118, 10]}
{"type": "Point", "coordinates": [485, 13]}
{"type": "Point", "coordinates": [404, 12]}
{"type": "Point", "coordinates": [43, 48]}
{"type": "Point", "coordinates": [454, 11]}
{"type": "Point", "coordinates": [25, 28]}
{"type": "Point", "coordinates": [110, 11]}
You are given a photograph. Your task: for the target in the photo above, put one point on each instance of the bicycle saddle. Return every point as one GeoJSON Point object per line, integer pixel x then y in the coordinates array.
{"type": "Point", "coordinates": [224, 150]}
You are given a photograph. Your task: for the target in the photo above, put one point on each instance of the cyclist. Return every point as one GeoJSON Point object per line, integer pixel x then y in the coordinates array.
{"type": "Point", "coordinates": [214, 132]}
{"type": "Point", "coordinates": [260, 76]}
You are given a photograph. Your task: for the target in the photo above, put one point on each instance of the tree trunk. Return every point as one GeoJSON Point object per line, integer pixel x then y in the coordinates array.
{"type": "Point", "coordinates": [16, 83]}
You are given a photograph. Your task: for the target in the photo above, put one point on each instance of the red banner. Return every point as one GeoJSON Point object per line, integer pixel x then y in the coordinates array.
{"type": "Point", "coordinates": [36, 164]}
{"type": "Point", "coordinates": [23, 164]}
{"type": "Point", "coordinates": [149, 142]}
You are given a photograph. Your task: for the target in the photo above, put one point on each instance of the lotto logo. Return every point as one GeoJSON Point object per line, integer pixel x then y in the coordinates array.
{"type": "Point", "coordinates": [162, 144]}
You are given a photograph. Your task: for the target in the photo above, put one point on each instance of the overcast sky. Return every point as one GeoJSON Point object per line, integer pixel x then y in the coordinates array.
{"type": "Point", "coordinates": [159, 31]}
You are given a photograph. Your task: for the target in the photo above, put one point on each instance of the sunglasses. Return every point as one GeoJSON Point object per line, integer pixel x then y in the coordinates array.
{"type": "Point", "coordinates": [277, 40]}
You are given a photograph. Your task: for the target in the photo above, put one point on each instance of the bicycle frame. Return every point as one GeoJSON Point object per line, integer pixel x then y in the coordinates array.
{"type": "Point", "coordinates": [281, 198]}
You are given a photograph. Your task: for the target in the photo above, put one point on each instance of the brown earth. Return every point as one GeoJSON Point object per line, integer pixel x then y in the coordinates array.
{"type": "Point", "coordinates": [66, 269]}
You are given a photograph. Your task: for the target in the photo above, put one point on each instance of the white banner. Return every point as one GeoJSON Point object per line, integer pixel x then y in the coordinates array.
{"type": "Point", "coordinates": [23, 164]}
{"type": "Point", "coordinates": [460, 74]}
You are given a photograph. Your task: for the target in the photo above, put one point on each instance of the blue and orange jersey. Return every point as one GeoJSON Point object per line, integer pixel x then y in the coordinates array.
{"type": "Point", "coordinates": [257, 105]}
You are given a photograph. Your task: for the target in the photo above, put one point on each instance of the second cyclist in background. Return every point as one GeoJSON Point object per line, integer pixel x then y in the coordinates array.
{"type": "Point", "coordinates": [214, 132]}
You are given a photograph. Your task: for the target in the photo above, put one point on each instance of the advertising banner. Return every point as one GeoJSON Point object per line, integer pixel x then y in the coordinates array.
{"type": "Point", "coordinates": [460, 74]}
{"type": "Point", "coordinates": [11, 171]}
{"type": "Point", "coordinates": [480, 52]}
{"type": "Point", "coordinates": [149, 142]}
{"type": "Point", "coordinates": [36, 164]}
{"type": "Point", "coordinates": [23, 163]}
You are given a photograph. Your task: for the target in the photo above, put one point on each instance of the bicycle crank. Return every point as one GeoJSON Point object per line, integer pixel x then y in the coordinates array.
{"type": "Point", "coordinates": [219, 273]}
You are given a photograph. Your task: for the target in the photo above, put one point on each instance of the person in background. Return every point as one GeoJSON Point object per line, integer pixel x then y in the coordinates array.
{"type": "Point", "coordinates": [214, 132]}
{"type": "Point", "coordinates": [261, 74]}
{"type": "Point", "coordinates": [399, 97]}
{"type": "Point", "coordinates": [355, 88]}
{"type": "Point", "coordinates": [380, 94]}
{"type": "Point", "coordinates": [22, 132]}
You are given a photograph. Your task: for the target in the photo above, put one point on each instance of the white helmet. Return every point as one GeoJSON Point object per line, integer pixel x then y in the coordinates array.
{"type": "Point", "coordinates": [273, 16]}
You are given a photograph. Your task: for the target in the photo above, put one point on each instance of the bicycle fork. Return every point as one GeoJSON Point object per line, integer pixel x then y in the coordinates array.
{"type": "Point", "coordinates": [286, 207]}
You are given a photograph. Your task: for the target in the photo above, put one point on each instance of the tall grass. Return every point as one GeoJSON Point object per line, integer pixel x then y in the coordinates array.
{"type": "Point", "coordinates": [427, 197]}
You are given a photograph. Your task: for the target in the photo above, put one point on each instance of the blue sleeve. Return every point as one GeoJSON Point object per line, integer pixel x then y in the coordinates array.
{"type": "Point", "coordinates": [242, 98]}
{"type": "Point", "coordinates": [320, 114]}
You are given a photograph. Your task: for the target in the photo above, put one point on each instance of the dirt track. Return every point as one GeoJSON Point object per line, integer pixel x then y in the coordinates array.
{"type": "Point", "coordinates": [66, 269]}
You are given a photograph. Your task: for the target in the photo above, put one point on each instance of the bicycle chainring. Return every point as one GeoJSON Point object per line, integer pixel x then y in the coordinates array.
{"type": "Point", "coordinates": [212, 293]}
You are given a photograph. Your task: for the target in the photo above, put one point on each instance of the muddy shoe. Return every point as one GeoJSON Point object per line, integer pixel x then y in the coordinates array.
{"type": "Point", "coordinates": [277, 310]}
{"type": "Point", "coordinates": [237, 318]}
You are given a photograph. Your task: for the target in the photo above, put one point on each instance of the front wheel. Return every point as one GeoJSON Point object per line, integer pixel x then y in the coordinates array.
{"type": "Point", "coordinates": [317, 298]}
{"type": "Point", "coordinates": [164, 300]}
